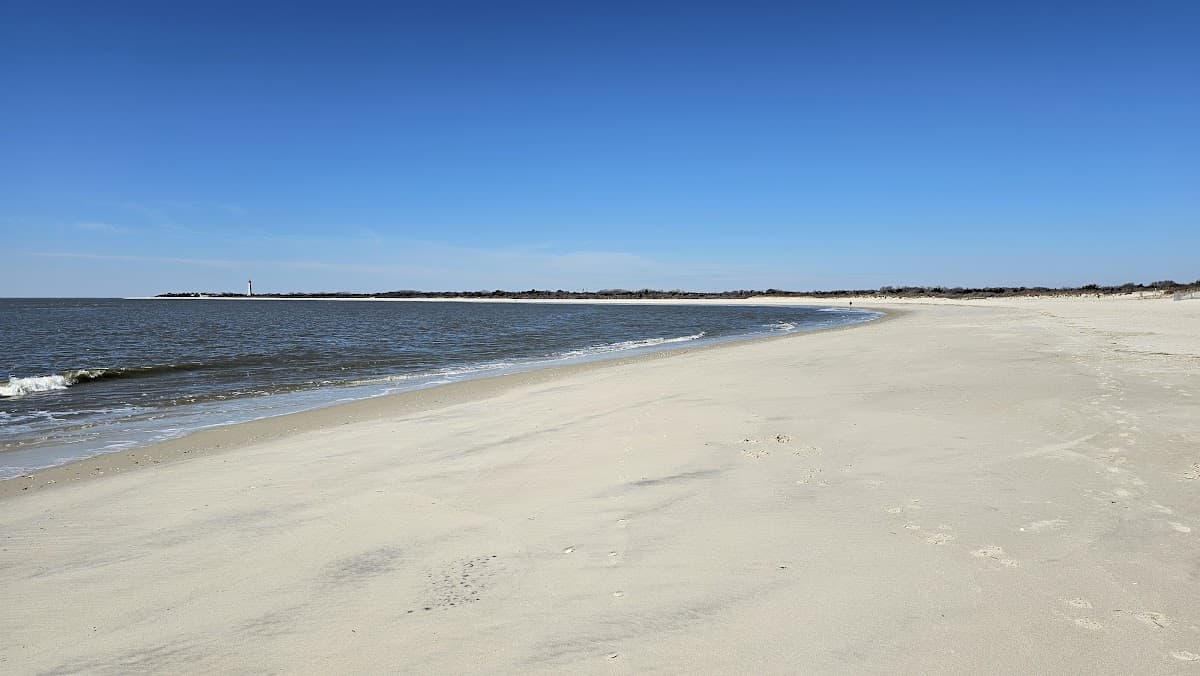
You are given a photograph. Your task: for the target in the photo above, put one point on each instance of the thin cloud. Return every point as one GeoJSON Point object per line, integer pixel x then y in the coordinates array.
{"type": "Point", "coordinates": [225, 263]}
{"type": "Point", "coordinates": [432, 266]}
{"type": "Point", "coordinates": [135, 259]}
{"type": "Point", "coordinates": [98, 226]}
{"type": "Point", "coordinates": [152, 214]}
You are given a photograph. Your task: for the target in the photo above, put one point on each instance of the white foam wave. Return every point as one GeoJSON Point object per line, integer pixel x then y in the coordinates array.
{"type": "Point", "coordinates": [476, 368]}
{"type": "Point", "coordinates": [18, 387]}
{"type": "Point", "coordinates": [629, 345]}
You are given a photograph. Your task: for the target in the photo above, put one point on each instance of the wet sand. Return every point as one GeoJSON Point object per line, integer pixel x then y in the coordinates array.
{"type": "Point", "coordinates": [987, 486]}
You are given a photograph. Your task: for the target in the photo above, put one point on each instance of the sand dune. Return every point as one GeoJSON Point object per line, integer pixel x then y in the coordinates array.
{"type": "Point", "coordinates": [1001, 487]}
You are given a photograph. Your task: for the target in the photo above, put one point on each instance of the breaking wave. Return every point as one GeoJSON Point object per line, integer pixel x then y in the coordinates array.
{"type": "Point", "coordinates": [19, 387]}
{"type": "Point", "coordinates": [628, 345]}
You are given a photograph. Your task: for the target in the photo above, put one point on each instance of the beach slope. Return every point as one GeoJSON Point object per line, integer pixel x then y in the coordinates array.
{"type": "Point", "coordinates": [978, 487]}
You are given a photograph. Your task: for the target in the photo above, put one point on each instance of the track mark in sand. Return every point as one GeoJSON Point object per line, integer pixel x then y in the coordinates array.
{"type": "Point", "coordinates": [754, 453]}
{"type": "Point", "coordinates": [1153, 619]}
{"type": "Point", "coordinates": [1185, 656]}
{"type": "Point", "coordinates": [622, 523]}
{"type": "Point", "coordinates": [912, 526]}
{"type": "Point", "coordinates": [618, 594]}
{"type": "Point", "coordinates": [1090, 625]}
{"type": "Point", "coordinates": [1193, 473]}
{"type": "Point", "coordinates": [781, 439]}
{"type": "Point", "coordinates": [939, 538]}
{"type": "Point", "coordinates": [808, 476]}
{"type": "Point", "coordinates": [460, 582]}
{"type": "Point", "coordinates": [995, 553]}
{"type": "Point", "coordinates": [1161, 509]}
{"type": "Point", "coordinates": [569, 550]}
{"type": "Point", "coordinates": [872, 484]}
{"type": "Point", "coordinates": [1046, 524]}
{"type": "Point", "coordinates": [1078, 602]}
{"type": "Point", "coordinates": [894, 510]}
{"type": "Point", "coordinates": [1180, 527]}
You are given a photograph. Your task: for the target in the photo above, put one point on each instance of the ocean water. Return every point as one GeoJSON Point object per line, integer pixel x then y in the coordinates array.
{"type": "Point", "coordinates": [81, 377]}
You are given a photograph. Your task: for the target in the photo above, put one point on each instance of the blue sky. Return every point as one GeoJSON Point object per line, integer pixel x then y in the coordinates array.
{"type": "Point", "coordinates": [150, 147]}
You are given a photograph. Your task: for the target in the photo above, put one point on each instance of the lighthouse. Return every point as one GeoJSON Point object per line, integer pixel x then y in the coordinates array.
{"type": "Point", "coordinates": [250, 287]}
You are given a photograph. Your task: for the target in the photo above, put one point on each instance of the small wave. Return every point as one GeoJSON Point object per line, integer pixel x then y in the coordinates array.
{"type": "Point", "coordinates": [629, 345]}
{"type": "Point", "coordinates": [89, 375]}
{"type": "Point", "coordinates": [781, 326]}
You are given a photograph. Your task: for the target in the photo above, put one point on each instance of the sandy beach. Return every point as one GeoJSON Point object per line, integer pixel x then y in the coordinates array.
{"type": "Point", "coordinates": [994, 486]}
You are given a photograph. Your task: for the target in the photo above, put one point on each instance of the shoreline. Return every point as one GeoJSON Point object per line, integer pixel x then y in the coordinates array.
{"type": "Point", "coordinates": [229, 437]}
{"type": "Point", "coordinates": [990, 487]}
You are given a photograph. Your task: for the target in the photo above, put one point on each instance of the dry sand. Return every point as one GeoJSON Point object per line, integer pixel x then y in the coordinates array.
{"type": "Point", "coordinates": [1001, 487]}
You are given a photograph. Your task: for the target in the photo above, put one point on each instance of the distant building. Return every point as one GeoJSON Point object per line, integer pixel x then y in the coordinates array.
{"type": "Point", "coordinates": [250, 287]}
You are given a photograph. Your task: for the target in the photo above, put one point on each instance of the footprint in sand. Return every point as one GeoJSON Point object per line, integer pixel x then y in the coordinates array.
{"type": "Point", "coordinates": [459, 582]}
{"type": "Point", "coordinates": [569, 550]}
{"type": "Point", "coordinates": [1194, 473]}
{"type": "Point", "coordinates": [995, 553]}
{"type": "Point", "coordinates": [809, 476]}
{"type": "Point", "coordinates": [1180, 527]}
{"type": "Point", "coordinates": [1185, 656]}
{"type": "Point", "coordinates": [939, 538]}
{"type": "Point", "coordinates": [783, 438]}
{"type": "Point", "coordinates": [1090, 625]}
{"type": "Point", "coordinates": [912, 526]}
{"type": "Point", "coordinates": [1153, 619]}
{"type": "Point", "coordinates": [1047, 524]}
{"type": "Point", "coordinates": [1078, 603]}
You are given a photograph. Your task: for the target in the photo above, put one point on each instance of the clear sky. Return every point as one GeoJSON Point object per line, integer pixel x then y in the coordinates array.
{"type": "Point", "coordinates": [162, 146]}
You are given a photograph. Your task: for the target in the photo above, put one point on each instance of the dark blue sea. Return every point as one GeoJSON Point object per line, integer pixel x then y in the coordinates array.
{"type": "Point", "coordinates": [81, 377]}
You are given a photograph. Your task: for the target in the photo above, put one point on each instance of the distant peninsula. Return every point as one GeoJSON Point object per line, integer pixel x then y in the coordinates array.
{"type": "Point", "coordinates": [1160, 287]}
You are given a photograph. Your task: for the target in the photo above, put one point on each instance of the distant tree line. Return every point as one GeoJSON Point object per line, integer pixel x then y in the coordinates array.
{"type": "Point", "coordinates": [1165, 286]}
